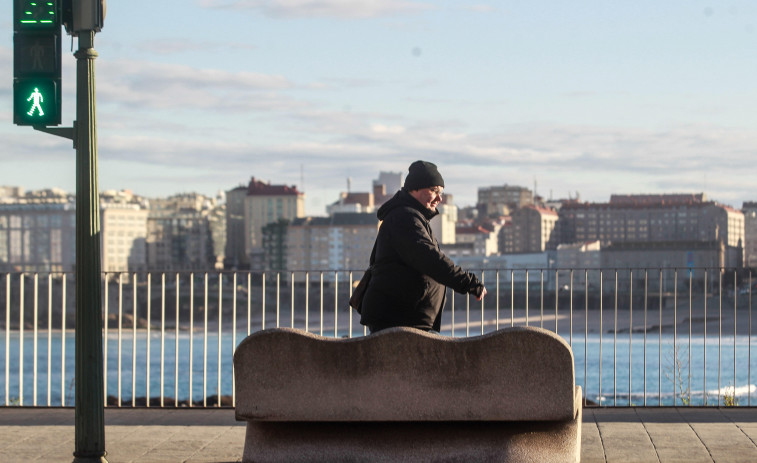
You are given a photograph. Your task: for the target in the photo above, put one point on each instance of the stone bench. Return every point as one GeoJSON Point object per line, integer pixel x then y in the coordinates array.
{"type": "Point", "coordinates": [406, 395]}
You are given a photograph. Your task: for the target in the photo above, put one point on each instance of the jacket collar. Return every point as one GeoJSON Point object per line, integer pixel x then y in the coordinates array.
{"type": "Point", "coordinates": [403, 199]}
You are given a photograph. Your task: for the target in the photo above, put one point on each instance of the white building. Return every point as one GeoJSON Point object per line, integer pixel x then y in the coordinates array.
{"type": "Point", "coordinates": [361, 203]}
{"type": "Point", "coordinates": [444, 225]}
{"type": "Point", "coordinates": [579, 255]}
{"type": "Point", "coordinates": [513, 269]}
{"type": "Point", "coordinates": [123, 218]}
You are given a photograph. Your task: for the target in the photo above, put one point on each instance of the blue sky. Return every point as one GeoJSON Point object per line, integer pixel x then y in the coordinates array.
{"type": "Point", "coordinates": [593, 97]}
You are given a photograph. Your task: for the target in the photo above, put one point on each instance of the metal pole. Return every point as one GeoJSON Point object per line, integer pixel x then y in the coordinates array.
{"type": "Point", "coordinates": [89, 414]}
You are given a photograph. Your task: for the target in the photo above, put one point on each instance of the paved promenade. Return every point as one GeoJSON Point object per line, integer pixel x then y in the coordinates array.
{"type": "Point", "coordinates": [623, 435]}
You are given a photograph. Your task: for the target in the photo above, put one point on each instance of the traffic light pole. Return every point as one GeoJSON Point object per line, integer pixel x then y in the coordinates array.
{"type": "Point", "coordinates": [89, 414]}
{"type": "Point", "coordinates": [37, 81]}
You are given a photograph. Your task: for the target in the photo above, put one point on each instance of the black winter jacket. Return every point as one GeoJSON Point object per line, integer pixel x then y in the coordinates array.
{"type": "Point", "coordinates": [410, 272]}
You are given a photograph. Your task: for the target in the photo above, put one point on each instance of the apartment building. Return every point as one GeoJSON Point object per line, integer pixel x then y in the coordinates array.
{"type": "Point", "coordinates": [274, 245]}
{"type": "Point", "coordinates": [250, 208]}
{"type": "Point", "coordinates": [481, 238]}
{"type": "Point", "coordinates": [183, 231]}
{"type": "Point", "coordinates": [264, 204]}
{"type": "Point", "coordinates": [235, 254]}
{"type": "Point", "coordinates": [749, 209]}
{"type": "Point", "coordinates": [531, 229]}
{"type": "Point", "coordinates": [654, 218]}
{"type": "Point", "coordinates": [444, 225]}
{"type": "Point", "coordinates": [123, 219]}
{"type": "Point", "coordinates": [340, 242]}
{"type": "Point", "coordinates": [497, 201]}
{"type": "Point", "coordinates": [37, 230]}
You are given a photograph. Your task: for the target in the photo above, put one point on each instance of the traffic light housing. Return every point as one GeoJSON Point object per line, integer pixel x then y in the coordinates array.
{"type": "Point", "coordinates": [37, 62]}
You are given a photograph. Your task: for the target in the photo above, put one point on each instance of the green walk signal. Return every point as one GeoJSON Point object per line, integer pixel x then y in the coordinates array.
{"type": "Point", "coordinates": [36, 62]}
{"type": "Point", "coordinates": [36, 102]}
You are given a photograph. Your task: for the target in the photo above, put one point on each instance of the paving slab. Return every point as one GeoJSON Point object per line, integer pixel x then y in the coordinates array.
{"type": "Point", "coordinates": [739, 455]}
{"type": "Point", "coordinates": [664, 434]}
{"type": "Point", "coordinates": [592, 450]}
{"type": "Point", "coordinates": [626, 442]}
{"type": "Point", "coordinates": [672, 435]}
{"type": "Point", "coordinates": [722, 435]}
{"type": "Point", "coordinates": [683, 455]}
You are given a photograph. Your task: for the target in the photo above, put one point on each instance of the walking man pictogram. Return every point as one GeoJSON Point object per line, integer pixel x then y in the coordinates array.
{"type": "Point", "coordinates": [37, 99]}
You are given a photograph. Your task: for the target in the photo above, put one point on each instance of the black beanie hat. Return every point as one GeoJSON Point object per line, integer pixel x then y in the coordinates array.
{"type": "Point", "coordinates": [421, 175]}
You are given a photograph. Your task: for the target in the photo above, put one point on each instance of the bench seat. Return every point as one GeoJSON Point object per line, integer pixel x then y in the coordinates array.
{"type": "Point", "coordinates": [406, 395]}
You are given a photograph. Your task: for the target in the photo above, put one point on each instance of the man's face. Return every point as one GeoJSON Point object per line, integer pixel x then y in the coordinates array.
{"type": "Point", "coordinates": [429, 197]}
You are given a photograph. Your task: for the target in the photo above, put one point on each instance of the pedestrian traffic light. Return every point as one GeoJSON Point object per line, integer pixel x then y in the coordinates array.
{"type": "Point", "coordinates": [36, 62]}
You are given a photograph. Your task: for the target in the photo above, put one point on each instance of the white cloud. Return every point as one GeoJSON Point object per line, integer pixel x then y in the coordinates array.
{"type": "Point", "coordinates": [171, 86]}
{"type": "Point", "coordinates": [387, 129]}
{"type": "Point", "coordinates": [340, 9]}
{"type": "Point", "coordinates": [594, 161]}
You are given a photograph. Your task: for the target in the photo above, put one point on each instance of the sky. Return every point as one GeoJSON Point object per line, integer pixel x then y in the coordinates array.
{"type": "Point", "coordinates": [587, 98]}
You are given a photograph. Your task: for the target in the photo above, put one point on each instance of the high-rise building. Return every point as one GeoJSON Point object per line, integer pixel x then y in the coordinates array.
{"type": "Point", "coordinates": [236, 256]}
{"type": "Point", "coordinates": [264, 204]}
{"type": "Point", "coordinates": [531, 229]}
{"type": "Point", "coordinates": [385, 186]}
{"type": "Point", "coordinates": [497, 201]}
{"type": "Point", "coordinates": [275, 245]}
{"type": "Point", "coordinates": [749, 209]}
{"type": "Point", "coordinates": [123, 218]}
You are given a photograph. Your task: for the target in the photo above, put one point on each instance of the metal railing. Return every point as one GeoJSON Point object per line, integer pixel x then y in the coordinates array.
{"type": "Point", "coordinates": [640, 337]}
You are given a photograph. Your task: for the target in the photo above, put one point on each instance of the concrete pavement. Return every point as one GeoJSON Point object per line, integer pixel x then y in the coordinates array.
{"type": "Point", "coordinates": [667, 435]}
{"type": "Point", "coordinates": [624, 435]}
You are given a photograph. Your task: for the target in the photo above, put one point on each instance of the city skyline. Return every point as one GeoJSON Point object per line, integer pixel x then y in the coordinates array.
{"type": "Point", "coordinates": [590, 98]}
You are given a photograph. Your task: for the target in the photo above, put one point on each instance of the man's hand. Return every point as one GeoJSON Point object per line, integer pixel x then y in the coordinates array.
{"type": "Point", "coordinates": [483, 293]}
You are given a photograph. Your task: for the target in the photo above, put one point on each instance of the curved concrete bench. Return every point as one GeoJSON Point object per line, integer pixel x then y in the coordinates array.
{"type": "Point", "coordinates": [406, 395]}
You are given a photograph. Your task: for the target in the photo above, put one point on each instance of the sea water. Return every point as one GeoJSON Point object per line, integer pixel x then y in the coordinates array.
{"type": "Point", "coordinates": [613, 370]}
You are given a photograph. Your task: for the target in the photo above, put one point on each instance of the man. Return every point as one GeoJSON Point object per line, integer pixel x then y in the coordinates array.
{"type": "Point", "coordinates": [407, 287]}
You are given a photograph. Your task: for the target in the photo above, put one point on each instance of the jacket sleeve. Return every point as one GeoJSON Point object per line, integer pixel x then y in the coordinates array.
{"type": "Point", "coordinates": [417, 249]}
